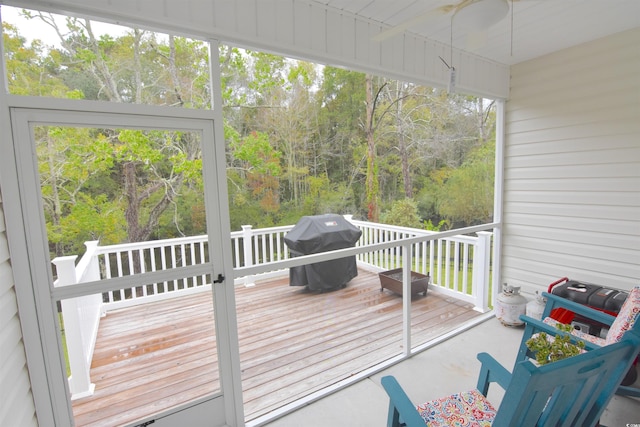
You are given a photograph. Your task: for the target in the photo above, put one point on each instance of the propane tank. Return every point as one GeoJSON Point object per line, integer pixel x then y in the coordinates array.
{"type": "Point", "coordinates": [510, 305]}
{"type": "Point", "coordinates": [535, 307]}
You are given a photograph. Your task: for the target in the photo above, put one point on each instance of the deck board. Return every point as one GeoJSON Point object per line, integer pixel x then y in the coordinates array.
{"type": "Point", "coordinates": [293, 342]}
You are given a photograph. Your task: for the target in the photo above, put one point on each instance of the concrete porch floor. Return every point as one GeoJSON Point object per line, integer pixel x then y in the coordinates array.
{"type": "Point", "coordinates": [446, 368]}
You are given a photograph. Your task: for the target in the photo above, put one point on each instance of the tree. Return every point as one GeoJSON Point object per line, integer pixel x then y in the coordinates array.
{"type": "Point", "coordinates": [341, 104]}
{"type": "Point", "coordinates": [30, 71]}
{"type": "Point", "coordinates": [467, 194]}
{"type": "Point", "coordinates": [262, 165]}
{"type": "Point", "coordinates": [289, 119]}
{"type": "Point", "coordinates": [137, 68]}
{"type": "Point", "coordinates": [404, 213]}
{"type": "Point", "coordinates": [372, 175]}
{"type": "Point", "coordinates": [343, 141]}
{"type": "Point", "coordinates": [408, 105]}
{"type": "Point", "coordinates": [154, 166]}
{"type": "Point", "coordinates": [68, 166]}
{"type": "Point", "coordinates": [403, 149]}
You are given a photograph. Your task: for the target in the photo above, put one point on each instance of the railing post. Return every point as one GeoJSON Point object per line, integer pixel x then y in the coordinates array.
{"type": "Point", "coordinates": [481, 271]}
{"type": "Point", "coordinates": [348, 217]}
{"type": "Point", "coordinates": [407, 262]}
{"type": "Point", "coordinates": [89, 267]}
{"type": "Point", "coordinates": [247, 246]}
{"type": "Point", "coordinates": [88, 264]}
{"type": "Point", "coordinates": [79, 382]}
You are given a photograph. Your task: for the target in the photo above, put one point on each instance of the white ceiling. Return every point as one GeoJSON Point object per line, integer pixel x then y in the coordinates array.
{"type": "Point", "coordinates": [539, 26]}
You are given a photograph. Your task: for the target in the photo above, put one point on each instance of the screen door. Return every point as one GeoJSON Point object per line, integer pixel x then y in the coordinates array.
{"type": "Point", "coordinates": [127, 262]}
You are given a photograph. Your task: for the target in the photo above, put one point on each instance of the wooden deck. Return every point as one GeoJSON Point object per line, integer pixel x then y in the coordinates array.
{"type": "Point", "coordinates": [292, 342]}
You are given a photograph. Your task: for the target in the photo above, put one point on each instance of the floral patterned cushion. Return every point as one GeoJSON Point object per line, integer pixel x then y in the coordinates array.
{"type": "Point", "coordinates": [627, 316]}
{"type": "Point", "coordinates": [466, 409]}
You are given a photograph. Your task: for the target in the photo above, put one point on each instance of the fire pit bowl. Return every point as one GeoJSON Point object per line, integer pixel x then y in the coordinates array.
{"type": "Point", "coordinates": [392, 280]}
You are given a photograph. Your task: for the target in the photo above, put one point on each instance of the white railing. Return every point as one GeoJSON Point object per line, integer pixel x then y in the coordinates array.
{"type": "Point", "coordinates": [249, 247]}
{"type": "Point", "coordinates": [458, 265]}
{"type": "Point", "coordinates": [261, 246]}
{"type": "Point", "coordinates": [80, 317]}
{"type": "Point", "coordinates": [157, 255]}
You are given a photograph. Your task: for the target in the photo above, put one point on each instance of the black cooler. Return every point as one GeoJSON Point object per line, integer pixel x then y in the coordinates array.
{"type": "Point", "coordinates": [322, 233]}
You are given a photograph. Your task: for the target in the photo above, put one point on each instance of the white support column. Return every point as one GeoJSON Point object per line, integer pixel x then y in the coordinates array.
{"type": "Point", "coordinates": [498, 199]}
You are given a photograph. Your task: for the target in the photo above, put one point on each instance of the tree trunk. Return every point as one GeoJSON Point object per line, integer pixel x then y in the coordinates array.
{"type": "Point", "coordinates": [372, 181]}
{"type": "Point", "coordinates": [131, 212]}
{"type": "Point", "coordinates": [137, 37]}
{"type": "Point", "coordinates": [174, 71]}
{"type": "Point", "coordinates": [483, 119]}
{"type": "Point", "coordinates": [402, 144]}
{"type": "Point", "coordinates": [56, 211]}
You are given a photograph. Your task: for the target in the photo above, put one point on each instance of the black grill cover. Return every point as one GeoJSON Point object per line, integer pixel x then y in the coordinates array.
{"type": "Point", "coordinates": [322, 233]}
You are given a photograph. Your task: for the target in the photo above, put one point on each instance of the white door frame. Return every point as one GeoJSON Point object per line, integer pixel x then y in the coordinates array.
{"type": "Point", "coordinates": [27, 235]}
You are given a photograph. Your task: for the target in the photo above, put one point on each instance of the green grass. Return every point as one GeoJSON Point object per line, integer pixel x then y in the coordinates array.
{"type": "Point", "coordinates": [64, 344]}
{"type": "Point", "coordinates": [397, 260]}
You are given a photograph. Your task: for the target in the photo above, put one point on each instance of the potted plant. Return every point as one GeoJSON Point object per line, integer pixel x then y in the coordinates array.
{"type": "Point", "coordinates": [551, 349]}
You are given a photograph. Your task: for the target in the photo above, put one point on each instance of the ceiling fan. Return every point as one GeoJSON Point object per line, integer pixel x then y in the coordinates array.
{"type": "Point", "coordinates": [470, 15]}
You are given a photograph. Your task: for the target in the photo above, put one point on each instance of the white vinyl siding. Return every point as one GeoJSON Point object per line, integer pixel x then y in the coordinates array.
{"type": "Point", "coordinates": [572, 167]}
{"type": "Point", "coordinates": [16, 401]}
{"type": "Point", "coordinates": [304, 29]}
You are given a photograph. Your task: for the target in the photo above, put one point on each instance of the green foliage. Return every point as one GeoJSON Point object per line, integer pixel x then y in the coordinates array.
{"type": "Point", "coordinates": [186, 218]}
{"type": "Point", "coordinates": [466, 194]}
{"type": "Point", "coordinates": [63, 338]}
{"type": "Point", "coordinates": [303, 73]}
{"type": "Point", "coordinates": [268, 72]}
{"type": "Point", "coordinates": [262, 166]}
{"type": "Point", "coordinates": [326, 197]}
{"type": "Point", "coordinates": [29, 69]}
{"type": "Point", "coordinates": [341, 100]}
{"type": "Point", "coordinates": [404, 213]}
{"type": "Point", "coordinates": [137, 145]}
{"type": "Point", "coordinates": [90, 218]}
{"type": "Point", "coordinates": [258, 154]}
{"type": "Point", "coordinates": [443, 224]}
{"type": "Point", "coordinates": [549, 349]}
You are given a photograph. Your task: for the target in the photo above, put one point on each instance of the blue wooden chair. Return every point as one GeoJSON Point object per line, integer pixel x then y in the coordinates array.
{"type": "Point", "coordinates": [626, 320]}
{"type": "Point", "coordinates": [569, 392]}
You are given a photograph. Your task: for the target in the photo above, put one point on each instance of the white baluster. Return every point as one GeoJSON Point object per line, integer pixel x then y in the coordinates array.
{"type": "Point", "coordinates": [247, 246]}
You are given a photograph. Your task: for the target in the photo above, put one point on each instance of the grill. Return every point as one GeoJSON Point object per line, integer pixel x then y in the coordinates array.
{"type": "Point", "coordinates": [317, 234]}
